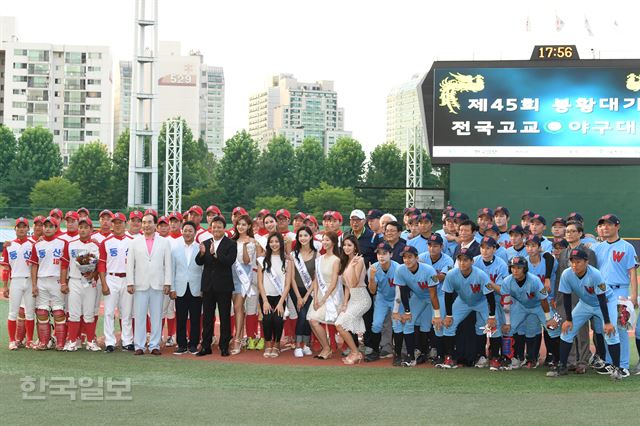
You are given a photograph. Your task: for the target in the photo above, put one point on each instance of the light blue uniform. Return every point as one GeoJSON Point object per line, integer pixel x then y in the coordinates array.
{"type": "Point", "coordinates": [614, 261]}
{"type": "Point", "coordinates": [442, 265]}
{"type": "Point", "coordinates": [472, 291]}
{"type": "Point", "coordinates": [497, 271]}
{"type": "Point", "coordinates": [422, 244]}
{"type": "Point", "coordinates": [450, 247]}
{"type": "Point", "coordinates": [385, 297]}
{"type": "Point", "coordinates": [512, 252]}
{"type": "Point", "coordinates": [420, 300]}
{"type": "Point", "coordinates": [546, 244]}
{"type": "Point", "coordinates": [531, 326]}
{"type": "Point", "coordinates": [504, 240]}
{"type": "Point", "coordinates": [526, 301]}
{"type": "Point", "coordinates": [587, 289]}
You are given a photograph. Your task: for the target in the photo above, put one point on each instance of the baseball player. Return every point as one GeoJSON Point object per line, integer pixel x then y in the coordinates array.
{"type": "Point", "coordinates": [408, 212]}
{"type": "Point", "coordinates": [57, 215]}
{"type": "Point", "coordinates": [449, 233]}
{"type": "Point", "coordinates": [83, 212]}
{"type": "Point", "coordinates": [558, 226]}
{"type": "Point", "coordinates": [16, 269]}
{"type": "Point", "coordinates": [135, 224]}
{"type": "Point", "coordinates": [71, 217]}
{"type": "Point", "coordinates": [105, 217]}
{"type": "Point", "coordinates": [597, 300]}
{"type": "Point", "coordinates": [175, 226]}
{"type": "Point", "coordinates": [168, 304]}
{"type": "Point", "coordinates": [525, 218]}
{"type": "Point", "coordinates": [474, 294]}
{"type": "Point", "coordinates": [493, 232]}
{"type": "Point", "coordinates": [516, 236]}
{"type": "Point", "coordinates": [82, 286]}
{"type": "Point", "coordinates": [617, 262]}
{"type": "Point", "coordinates": [537, 226]}
{"type": "Point", "coordinates": [418, 291]}
{"type": "Point", "coordinates": [381, 283]}
{"type": "Point", "coordinates": [38, 229]}
{"type": "Point", "coordinates": [527, 297]}
{"type": "Point", "coordinates": [496, 269]}
{"type": "Point", "coordinates": [45, 261]}
{"type": "Point", "coordinates": [195, 215]}
{"type": "Point", "coordinates": [501, 220]}
{"type": "Point", "coordinates": [112, 271]}
{"type": "Point", "coordinates": [485, 220]}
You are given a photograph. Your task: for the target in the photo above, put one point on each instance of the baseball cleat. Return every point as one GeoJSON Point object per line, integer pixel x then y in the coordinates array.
{"type": "Point", "coordinates": [70, 347]}
{"type": "Point", "coordinates": [409, 362]}
{"type": "Point", "coordinates": [495, 365]}
{"type": "Point", "coordinates": [605, 369]}
{"type": "Point", "coordinates": [93, 346]}
{"type": "Point", "coordinates": [109, 349]}
{"type": "Point", "coordinates": [558, 371]}
{"type": "Point", "coordinates": [596, 362]}
{"type": "Point", "coordinates": [448, 363]}
{"type": "Point", "coordinates": [397, 361]}
{"type": "Point", "coordinates": [170, 342]}
{"type": "Point", "coordinates": [13, 346]}
{"type": "Point", "coordinates": [482, 362]}
{"type": "Point", "coordinates": [617, 374]}
{"type": "Point", "coordinates": [624, 372]}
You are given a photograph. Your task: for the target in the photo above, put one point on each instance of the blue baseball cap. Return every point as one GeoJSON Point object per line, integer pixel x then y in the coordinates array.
{"type": "Point", "coordinates": [384, 246]}
{"type": "Point", "coordinates": [534, 239]}
{"type": "Point", "coordinates": [486, 211]}
{"type": "Point", "coordinates": [435, 239]}
{"type": "Point", "coordinates": [410, 211]}
{"type": "Point", "coordinates": [575, 217]}
{"type": "Point", "coordinates": [527, 213]}
{"type": "Point", "coordinates": [425, 216]}
{"type": "Point", "coordinates": [517, 229]}
{"type": "Point", "coordinates": [409, 249]}
{"type": "Point", "coordinates": [611, 218]}
{"type": "Point", "coordinates": [461, 216]}
{"type": "Point", "coordinates": [488, 241]}
{"type": "Point", "coordinates": [578, 254]}
{"type": "Point", "coordinates": [560, 242]}
{"type": "Point", "coordinates": [502, 209]}
{"type": "Point", "coordinates": [539, 218]}
{"type": "Point", "coordinates": [374, 214]}
{"type": "Point", "coordinates": [466, 253]}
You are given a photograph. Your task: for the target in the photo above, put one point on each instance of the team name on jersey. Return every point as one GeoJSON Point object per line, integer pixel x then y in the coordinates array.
{"type": "Point", "coordinates": [475, 288]}
{"type": "Point", "coordinates": [617, 256]}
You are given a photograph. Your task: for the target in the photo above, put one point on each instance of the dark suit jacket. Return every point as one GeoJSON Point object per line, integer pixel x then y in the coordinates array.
{"type": "Point", "coordinates": [216, 275]}
{"type": "Point", "coordinates": [474, 248]}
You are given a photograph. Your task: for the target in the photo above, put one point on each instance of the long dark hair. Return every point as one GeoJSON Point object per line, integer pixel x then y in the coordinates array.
{"type": "Point", "coordinates": [334, 239]}
{"type": "Point", "coordinates": [344, 259]}
{"type": "Point", "coordinates": [269, 252]}
{"type": "Point", "coordinates": [296, 250]}
{"type": "Point", "coordinates": [249, 223]}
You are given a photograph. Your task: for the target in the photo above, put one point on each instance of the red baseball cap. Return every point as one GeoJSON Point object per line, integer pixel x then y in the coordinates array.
{"type": "Point", "coordinates": [211, 209]}
{"type": "Point", "coordinates": [72, 215]}
{"type": "Point", "coordinates": [239, 210]}
{"type": "Point", "coordinates": [152, 212]}
{"type": "Point", "coordinates": [196, 209]}
{"type": "Point", "coordinates": [311, 218]}
{"type": "Point", "coordinates": [51, 220]}
{"type": "Point", "coordinates": [38, 219]}
{"type": "Point", "coordinates": [56, 212]}
{"type": "Point", "coordinates": [135, 214]}
{"type": "Point", "coordinates": [177, 216]}
{"type": "Point", "coordinates": [283, 212]}
{"type": "Point", "coordinates": [107, 212]}
{"type": "Point", "coordinates": [332, 214]}
{"type": "Point", "coordinates": [300, 215]}
{"type": "Point", "coordinates": [263, 212]}
{"type": "Point", "coordinates": [23, 220]}
{"type": "Point", "coordinates": [83, 210]}
{"type": "Point", "coordinates": [119, 216]}
{"type": "Point", "coordinates": [163, 219]}
{"type": "Point", "coordinates": [87, 220]}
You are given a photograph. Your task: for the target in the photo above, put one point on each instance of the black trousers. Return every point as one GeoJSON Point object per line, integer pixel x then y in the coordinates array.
{"type": "Point", "coordinates": [302, 325]}
{"type": "Point", "coordinates": [272, 323]}
{"type": "Point", "coordinates": [188, 307]}
{"type": "Point", "coordinates": [211, 299]}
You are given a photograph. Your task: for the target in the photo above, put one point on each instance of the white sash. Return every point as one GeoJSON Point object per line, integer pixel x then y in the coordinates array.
{"type": "Point", "coordinates": [245, 280]}
{"type": "Point", "coordinates": [331, 312]}
{"type": "Point", "coordinates": [276, 280]}
{"type": "Point", "coordinates": [302, 270]}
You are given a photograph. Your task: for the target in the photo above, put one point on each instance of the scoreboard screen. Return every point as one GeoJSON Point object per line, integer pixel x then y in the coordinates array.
{"type": "Point", "coordinates": [554, 112]}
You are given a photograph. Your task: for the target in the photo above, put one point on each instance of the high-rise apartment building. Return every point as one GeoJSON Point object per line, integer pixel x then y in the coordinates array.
{"type": "Point", "coordinates": [296, 110]}
{"type": "Point", "coordinates": [403, 114]}
{"type": "Point", "coordinates": [64, 88]}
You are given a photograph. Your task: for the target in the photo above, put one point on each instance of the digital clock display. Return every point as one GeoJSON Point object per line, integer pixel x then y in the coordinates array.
{"type": "Point", "coordinates": [555, 52]}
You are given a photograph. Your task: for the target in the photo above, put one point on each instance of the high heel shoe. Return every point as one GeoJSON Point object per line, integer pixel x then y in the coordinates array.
{"type": "Point", "coordinates": [353, 359]}
{"type": "Point", "coordinates": [324, 357]}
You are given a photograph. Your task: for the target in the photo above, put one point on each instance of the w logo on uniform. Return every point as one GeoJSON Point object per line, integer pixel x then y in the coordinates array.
{"type": "Point", "coordinates": [475, 288]}
{"type": "Point", "coordinates": [617, 256]}
{"type": "Point", "coordinates": [493, 277]}
{"type": "Point", "coordinates": [422, 284]}
{"type": "Point", "coordinates": [590, 290]}
{"type": "Point", "coordinates": [391, 283]}
{"type": "Point", "coordinates": [531, 295]}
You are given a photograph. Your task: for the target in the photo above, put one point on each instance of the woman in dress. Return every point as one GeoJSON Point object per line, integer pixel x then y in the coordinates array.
{"type": "Point", "coordinates": [244, 283]}
{"type": "Point", "coordinates": [301, 278]}
{"type": "Point", "coordinates": [274, 288]}
{"type": "Point", "coordinates": [326, 292]}
{"type": "Point", "coordinates": [356, 298]}
{"type": "Point", "coordinates": [271, 226]}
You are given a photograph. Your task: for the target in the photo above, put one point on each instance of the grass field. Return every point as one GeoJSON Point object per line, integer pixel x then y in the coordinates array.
{"type": "Point", "coordinates": [172, 390]}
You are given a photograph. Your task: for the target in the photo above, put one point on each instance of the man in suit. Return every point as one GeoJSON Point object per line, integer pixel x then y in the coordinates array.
{"type": "Point", "coordinates": [217, 255]}
{"type": "Point", "coordinates": [185, 289]}
{"type": "Point", "coordinates": [149, 277]}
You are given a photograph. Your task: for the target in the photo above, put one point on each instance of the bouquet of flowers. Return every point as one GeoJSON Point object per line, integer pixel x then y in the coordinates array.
{"type": "Point", "coordinates": [86, 263]}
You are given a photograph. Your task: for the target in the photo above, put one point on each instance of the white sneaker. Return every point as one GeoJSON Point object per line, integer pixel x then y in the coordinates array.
{"type": "Point", "coordinates": [298, 353]}
{"type": "Point", "coordinates": [51, 343]}
{"type": "Point", "coordinates": [93, 346]}
{"type": "Point", "coordinates": [13, 346]}
{"type": "Point", "coordinates": [307, 351]}
{"type": "Point", "coordinates": [482, 362]}
{"type": "Point", "coordinates": [70, 347]}
{"type": "Point", "coordinates": [515, 363]}
{"type": "Point", "coordinates": [170, 342]}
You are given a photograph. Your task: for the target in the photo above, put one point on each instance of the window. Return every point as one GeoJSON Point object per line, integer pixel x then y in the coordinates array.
{"type": "Point", "coordinates": [73, 109]}
{"type": "Point", "coordinates": [38, 82]}
{"type": "Point", "coordinates": [19, 104]}
{"type": "Point", "coordinates": [74, 97]}
{"type": "Point", "coordinates": [73, 135]}
{"type": "Point", "coordinates": [94, 133]}
{"type": "Point", "coordinates": [37, 120]}
{"type": "Point", "coordinates": [95, 69]}
{"type": "Point", "coordinates": [39, 108]}
{"type": "Point", "coordinates": [19, 65]}
{"type": "Point", "coordinates": [56, 133]}
{"type": "Point", "coordinates": [20, 52]}
{"type": "Point", "coordinates": [38, 95]}
{"type": "Point", "coordinates": [73, 123]}
{"type": "Point", "coordinates": [93, 107]}
{"type": "Point", "coordinates": [19, 91]}
{"type": "Point", "coordinates": [20, 78]}
{"type": "Point", "coordinates": [94, 95]}
{"type": "Point", "coordinates": [93, 81]}
{"type": "Point", "coordinates": [75, 58]}
{"type": "Point", "coordinates": [74, 84]}
{"type": "Point", "coordinates": [38, 55]}
{"type": "Point", "coordinates": [74, 71]}
{"type": "Point", "coordinates": [38, 69]}
{"type": "Point", "coordinates": [95, 55]}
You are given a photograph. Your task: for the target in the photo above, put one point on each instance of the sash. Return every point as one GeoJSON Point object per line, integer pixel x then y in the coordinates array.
{"type": "Point", "coordinates": [276, 280]}
{"type": "Point", "coordinates": [245, 280]}
{"type": "Point", "coordinates": [302, 270]}
{"type": "Point", "coordinates": [331, 312]}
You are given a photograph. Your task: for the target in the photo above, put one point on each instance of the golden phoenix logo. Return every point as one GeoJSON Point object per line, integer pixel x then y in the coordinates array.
{"type": "Point", "coordinates": [633, 82]}
{"type": "Point", "coordinates": [450, 87]}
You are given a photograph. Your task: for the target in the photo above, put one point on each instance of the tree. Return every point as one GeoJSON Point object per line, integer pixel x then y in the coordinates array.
{"type": "Point", "coordinates": [309, 165]}
{"type": "Point", "coordinates": [58, 192]}
{"type": "Point", "coordinates": [90, 167]}
{"type": "Point", "coordinates": [8, 147]}
{"type": "Point", "coordinates": [119, 185]}
{"type": "Point", "coordinates": [276, 202]}
{"type": "Point", "coordinates": [386, 168]}
{"type": "Point", "coordinates": [345, 163]}
{"type": "Point", "coordinates": [327, 197]}
{"type": "Point", "coordinates": [236, 173]}
{"type": "Point", "coordinates": [276, 167]}
{"type": "Point", "coordinates": [204, 196]}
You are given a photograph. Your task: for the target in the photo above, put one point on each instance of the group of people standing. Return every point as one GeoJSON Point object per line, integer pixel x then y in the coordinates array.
{"type": "Point", "coordinates": [482, 293]}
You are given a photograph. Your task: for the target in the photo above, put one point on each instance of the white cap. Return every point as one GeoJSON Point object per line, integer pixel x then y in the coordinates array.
{"type": "Point", "coordinates": [358, 213]}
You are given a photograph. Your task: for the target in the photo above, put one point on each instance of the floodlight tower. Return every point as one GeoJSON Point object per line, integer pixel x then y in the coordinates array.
{"type": "Point", "coordinates": [143, 139]}
{"type": "Point", "coordinates": [414, 164]}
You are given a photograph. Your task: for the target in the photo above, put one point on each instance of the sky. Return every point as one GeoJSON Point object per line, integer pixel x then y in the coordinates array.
{"type": "Point", "coordinates": [366, 47]}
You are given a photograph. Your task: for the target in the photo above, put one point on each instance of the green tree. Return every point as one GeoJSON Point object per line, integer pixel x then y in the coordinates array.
{"type": "Point", "coordinates": [309, 165]}
{"type": "Point", "coordinates": [276, 202]}
{"type": "Point", "coordinates": [236, 172]}
{"type": "Point", "coordinates": [386, 168]}
{"type": "Point", "coordinates": [204, 196]}
{"type": "Point", "coordinates": [119, 180]}
{"type": "Point", "coordinates": [37, 158]}
{"type": "Point", "coordinates": [4, 204]}
{"type": "Point", "coordinates": [275, 168]}
{"type": "Point", "coordinates": [327, 197]}
{"type": "Point", "coordinates": [345, 163]}
{"type": "Point", "coordinates": [8, 147]}
{"type": "Point", "coordinates": [54, 192]}
{"type": "Point", "coordinates": [90, 167]}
